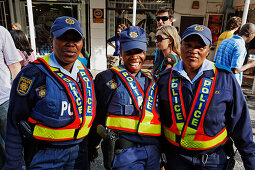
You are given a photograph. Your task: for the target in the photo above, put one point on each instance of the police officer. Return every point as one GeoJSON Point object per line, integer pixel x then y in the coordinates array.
{"type": "Point", "coordinates": [202, 108]}
{"type": "Point", "coordinates": [52, 106]}
{"type": "Point", "coordinates": [126, 101]}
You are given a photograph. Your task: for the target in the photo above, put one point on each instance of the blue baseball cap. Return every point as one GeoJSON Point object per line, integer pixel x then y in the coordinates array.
{"type": "Point", "coordinates": [133, 37]}
{"type": "Point", "coordinates": [63, 24]}
{"type": "Point", "coordinates": [202, 31]}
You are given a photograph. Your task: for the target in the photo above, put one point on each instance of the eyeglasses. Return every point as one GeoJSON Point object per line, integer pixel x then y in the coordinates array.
{"type": "Point", "coordinates": [159, 38]}
{"type": "Point", "coordinates": [164, 18]}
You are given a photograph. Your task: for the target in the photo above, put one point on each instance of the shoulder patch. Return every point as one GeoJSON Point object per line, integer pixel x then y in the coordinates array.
{"type": "Point", "coordinates": [41, 91]}
{"type": "Point", "coordinates": [112, 84]}
{"type": "Point", "coordinates": [24, 85]}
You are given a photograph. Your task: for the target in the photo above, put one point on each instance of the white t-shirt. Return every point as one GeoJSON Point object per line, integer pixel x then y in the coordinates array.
{"type": "Point", "coordinates": [8, 55]}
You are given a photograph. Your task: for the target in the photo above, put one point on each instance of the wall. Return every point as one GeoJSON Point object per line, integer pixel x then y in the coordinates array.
{"type": "Point", "coordinates": [98, 39]}
{"type": "Point", "coordinates": [184, 8]}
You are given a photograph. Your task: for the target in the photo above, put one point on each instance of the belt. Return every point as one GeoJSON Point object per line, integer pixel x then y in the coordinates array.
{"type": "Point", "coordinates": [44, 145]}
{"type": "Point", "coordinates": [122, 143]}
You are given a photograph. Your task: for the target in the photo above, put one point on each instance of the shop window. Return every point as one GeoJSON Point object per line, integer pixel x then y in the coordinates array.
{"type": "Point", "coordinates": [121, 12]}
{"type": "Point", "coordinates": [44, 16]}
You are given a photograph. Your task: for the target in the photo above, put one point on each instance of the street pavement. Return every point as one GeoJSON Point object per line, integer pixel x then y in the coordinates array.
{"type": "Point", "coordinates": [250, 98]}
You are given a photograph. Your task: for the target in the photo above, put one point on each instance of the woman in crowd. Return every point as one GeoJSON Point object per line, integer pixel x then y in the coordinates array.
{"type": "Point", "coordinates": [52, 106]}
{"type": "Point", "coordinates": [168, 43]}
{"type": "Point", "coordinates": [202, 109]}
{"type": "Point", "coordinates": [23, 46]}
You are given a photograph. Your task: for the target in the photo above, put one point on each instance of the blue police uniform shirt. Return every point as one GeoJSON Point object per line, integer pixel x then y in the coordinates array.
{"type": "Point", "coordinates": [22, 106]}
{"type": "Point", "coordinates": [228, 108]}
{"type": "Point", "coordinates": [118, 101]}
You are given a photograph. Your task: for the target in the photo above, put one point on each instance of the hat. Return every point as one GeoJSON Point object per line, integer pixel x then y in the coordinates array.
{"type": "Point", "coordinates": [133, 37]}
{"type": "Point", "coordinates": [63, 24]}
{"type": "Point", "coordinates": [202, 31]}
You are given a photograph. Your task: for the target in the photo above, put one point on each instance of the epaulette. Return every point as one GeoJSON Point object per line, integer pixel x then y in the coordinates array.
{"type": "Point", "coordinates": [219, 66]}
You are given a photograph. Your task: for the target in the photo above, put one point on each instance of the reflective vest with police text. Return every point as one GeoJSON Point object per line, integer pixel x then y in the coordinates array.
{"type": "Point", "coordinates": [82, 102]}
{"type": "Point", "coordinates": [147, 122]}
{"type": "Point", "coordinates": [188, 132]}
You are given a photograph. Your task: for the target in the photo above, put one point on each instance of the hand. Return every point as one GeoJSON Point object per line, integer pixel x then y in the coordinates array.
{"type": "Point", "coordinates": [252, 63]}
{"type": "Point", "coordinates": [167, 62]}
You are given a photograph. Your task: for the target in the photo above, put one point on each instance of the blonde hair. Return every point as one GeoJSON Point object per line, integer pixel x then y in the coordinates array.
{"type": "Point", "coordinates": [171, 32]}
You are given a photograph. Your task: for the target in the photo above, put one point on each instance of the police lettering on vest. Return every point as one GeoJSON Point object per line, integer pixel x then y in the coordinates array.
{"type": "Point", "coordinates": [188, 129]}
{"type": "Point", "coordinates": [147, 122]}
{"type": "Point", "coordinates": [81, 104]}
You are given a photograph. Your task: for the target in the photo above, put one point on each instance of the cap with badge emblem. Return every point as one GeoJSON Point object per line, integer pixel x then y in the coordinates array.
{"type": "Point", "coordinates": [201, 30]}
{"type": "Point", "coordinates": [63, 24]}
{"type": "Point", "coordinates": [133, 37]}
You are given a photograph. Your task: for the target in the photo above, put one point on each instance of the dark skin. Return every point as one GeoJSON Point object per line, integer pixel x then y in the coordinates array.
{"type": "Point", "coordinates": [67, 48]}
{"type": "Point", "coordinates": [133, 60]}
{"type": "Point", "coordinates": [193, 52]}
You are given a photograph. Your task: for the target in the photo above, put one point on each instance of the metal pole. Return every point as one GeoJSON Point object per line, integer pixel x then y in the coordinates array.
{"type": "Point", "coordinates": [31, 24]}
{"type": "Point", "coordinates": [11, 11]}
{"type": "Point", "coordinates": [134, 11]}
{"type": "Point", "coordinates": [245, 11]}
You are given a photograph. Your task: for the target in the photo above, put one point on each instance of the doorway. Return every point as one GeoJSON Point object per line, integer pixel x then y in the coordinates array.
{"type": "Point", "coordinates": [187, 21]}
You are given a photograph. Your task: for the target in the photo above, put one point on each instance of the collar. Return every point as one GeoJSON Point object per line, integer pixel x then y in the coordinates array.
{"type": "Point", "coordinates": [239, 37]}
{"type": "Point", "coordinates": [54, 63]}
{"type": "Point", "coordinates": [206, 70]}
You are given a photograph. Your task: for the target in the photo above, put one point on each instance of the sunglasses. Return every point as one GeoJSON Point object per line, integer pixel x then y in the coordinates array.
{"type": "Point", "coordinates": [159, 38]}
{"type": "Point", "coordinates": [164, 18]}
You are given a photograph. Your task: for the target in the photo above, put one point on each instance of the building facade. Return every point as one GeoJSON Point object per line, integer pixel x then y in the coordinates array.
{"type": "Point", "coordinates": [99, 19]}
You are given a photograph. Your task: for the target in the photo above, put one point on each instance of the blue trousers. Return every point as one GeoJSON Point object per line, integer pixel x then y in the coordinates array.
{"type": "Point", "coordinates": [214, 161]}
{"type": "Point", "coordinates": [138, 158]}
{"type": "Point", "coordinates": [3, 119]}
{"type": "Point", "coordinates": [72, 158]}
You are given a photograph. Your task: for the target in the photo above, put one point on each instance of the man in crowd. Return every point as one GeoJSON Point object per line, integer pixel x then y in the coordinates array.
{"type": "Point", "coordinates": [9, 68]}
{"type": "Point", "coordinates": [232, 52]}
{"type": "Point", "coordinates": [232, 26]}
{"type": "Point", "coordinates": [164, 16]}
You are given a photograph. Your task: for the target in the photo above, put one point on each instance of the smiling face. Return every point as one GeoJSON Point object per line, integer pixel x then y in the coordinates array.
{"type": "Point", "coordinates": [133, 60]}
{"type": "Point", "coordinates": [67, 48]}
{"type": "Point", "coordinates": [162, 43]}
{"type": "Point", "coordinates": [193, 52]}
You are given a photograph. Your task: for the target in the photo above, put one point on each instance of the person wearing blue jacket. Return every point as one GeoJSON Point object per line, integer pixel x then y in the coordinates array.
{"type": "Point", "coordinates": [203, 109]}
{"type": "Point", "coordinates": [126, 105]}
{"type": "Point", "coordinates": [52, 106]}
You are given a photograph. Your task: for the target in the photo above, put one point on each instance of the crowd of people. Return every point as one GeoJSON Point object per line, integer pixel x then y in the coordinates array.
{"type": "Point", "coordinates": [187, 114]}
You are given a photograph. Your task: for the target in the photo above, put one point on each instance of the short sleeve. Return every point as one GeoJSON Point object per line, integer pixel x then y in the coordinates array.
{"type": "Point", "coordinates": [10, 53]}
{"type": "Point", "coordinates": [238, 56]}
